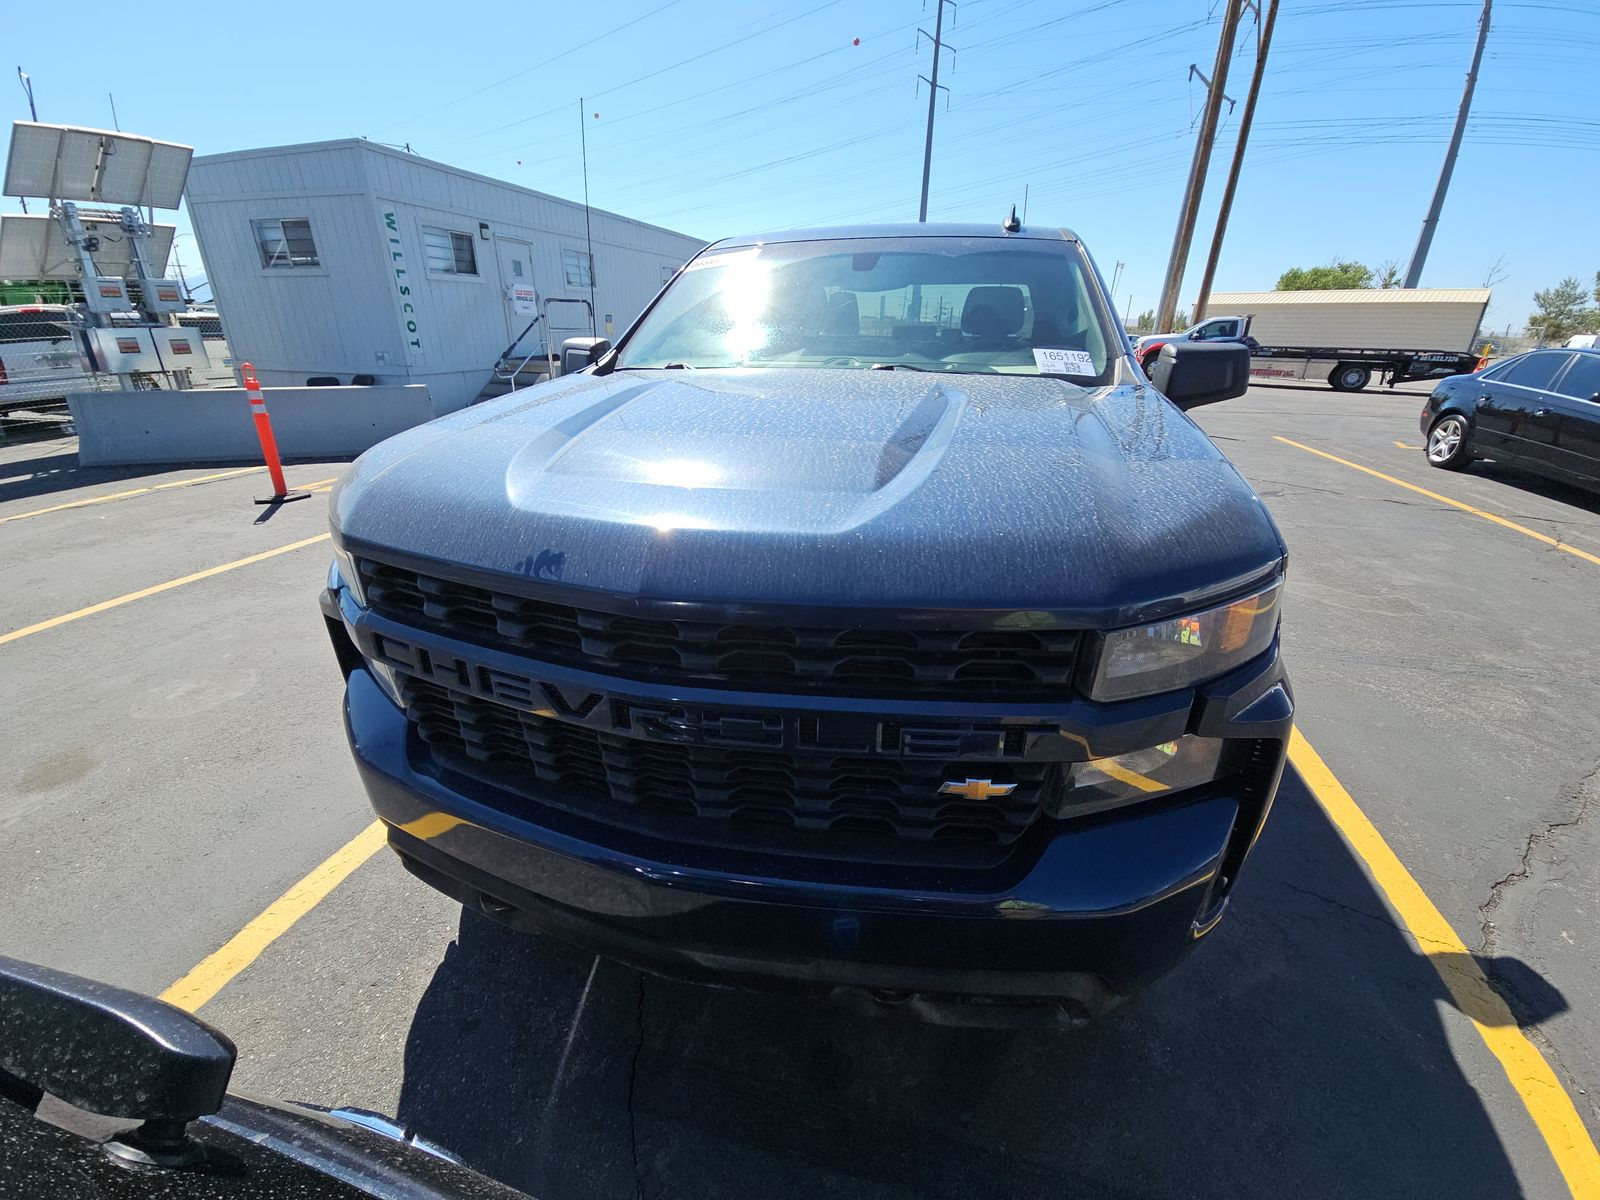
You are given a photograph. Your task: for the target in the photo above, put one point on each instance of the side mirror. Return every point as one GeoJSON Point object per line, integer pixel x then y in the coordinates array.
{"type": "Point", "coordinates": [1190, 376]}
{"type": "Point", "coordinates": [115, 1053]}
{"type": "Point", "coordinates": [580, 352]}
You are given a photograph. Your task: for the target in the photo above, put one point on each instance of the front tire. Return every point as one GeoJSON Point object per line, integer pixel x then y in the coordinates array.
{"type": "Point", "coordinates": [1450, 442]}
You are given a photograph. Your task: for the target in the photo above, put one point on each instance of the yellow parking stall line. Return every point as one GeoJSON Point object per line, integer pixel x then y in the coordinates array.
{"type": "Point", "coordinates": [1422, 491]}
{"type": "Point", "coordinates": [244, 947]}
{"type": "Point", "coordinates": [178, 483]}
{"type": "Point", "coordinates": [1406, 445]}
{"type": "Point", "coordinates": [142, 593]}
{"type": "Point", "coordinates": [39, 512]}
{"type": "Point", "coordinates": [158, 487]}
{"type": "Point", "coordinates": [1547, 1102]}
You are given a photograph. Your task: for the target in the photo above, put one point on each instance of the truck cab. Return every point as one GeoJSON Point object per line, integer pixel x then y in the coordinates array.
{"type": "Point", "coordinates": [1216, 329]}
{"type": "Point", "coordinates": [1212, 329]}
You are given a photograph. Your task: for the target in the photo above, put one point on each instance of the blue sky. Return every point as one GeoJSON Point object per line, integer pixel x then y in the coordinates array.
{"type": "Point", "coordinates": [718, 118]}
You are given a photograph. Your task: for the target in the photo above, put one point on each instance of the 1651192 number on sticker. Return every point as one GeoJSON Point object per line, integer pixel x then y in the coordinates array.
{"type": "Point", "coordinates": [1051, 361]}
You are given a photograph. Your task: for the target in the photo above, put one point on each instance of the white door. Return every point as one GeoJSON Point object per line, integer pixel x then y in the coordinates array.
{"type": "Point", "coordinates": [516, 286]}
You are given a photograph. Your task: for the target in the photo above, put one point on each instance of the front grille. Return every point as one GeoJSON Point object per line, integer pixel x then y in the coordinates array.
{"type": "Point", "coordinates": [608, 777]}
{"type": "Point", "coordinates": [991, 664]}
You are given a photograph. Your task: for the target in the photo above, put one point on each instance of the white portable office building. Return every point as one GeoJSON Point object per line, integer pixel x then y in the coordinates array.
{"type": "Point", "coordinates": [354, 261]}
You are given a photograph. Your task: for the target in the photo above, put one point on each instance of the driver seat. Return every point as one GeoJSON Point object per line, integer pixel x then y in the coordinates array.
{"type": "Point", "coordinates": [993, 315]}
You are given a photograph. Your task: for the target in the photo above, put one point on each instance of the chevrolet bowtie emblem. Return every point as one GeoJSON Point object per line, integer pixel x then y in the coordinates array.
{"type": "Point", "coordinates": [976, 789]}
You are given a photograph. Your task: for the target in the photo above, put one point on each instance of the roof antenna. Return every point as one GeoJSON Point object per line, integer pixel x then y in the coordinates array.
{"type": "Point", "coordinates": [1011, 224]}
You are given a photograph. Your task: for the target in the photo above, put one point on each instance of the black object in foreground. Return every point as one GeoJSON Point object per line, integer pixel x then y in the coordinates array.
{"type": "Point", "coordinates": [104, 1092]}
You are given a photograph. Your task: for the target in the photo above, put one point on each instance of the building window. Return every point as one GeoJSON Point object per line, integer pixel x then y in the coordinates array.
{"type": "Point", "coordinates": [448, 252]}
{"type": "Point", "coordinates": [286, 243]}
{"type": "Point", "coordinates": [666, 275]}
{"type": "Point", "coordinates": [579, 268]}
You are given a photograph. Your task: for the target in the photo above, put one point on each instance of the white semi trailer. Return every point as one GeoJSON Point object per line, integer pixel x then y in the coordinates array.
{"type": "Point", "coordinates": [1345, 336]}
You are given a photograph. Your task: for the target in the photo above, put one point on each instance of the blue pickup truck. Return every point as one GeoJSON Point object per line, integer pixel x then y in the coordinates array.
{"type": "Point", "coordinates": [863, 621]}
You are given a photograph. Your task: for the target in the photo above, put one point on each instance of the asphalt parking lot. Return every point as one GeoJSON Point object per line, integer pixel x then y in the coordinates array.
{"type": "Point", "coordinates": [174, 765]}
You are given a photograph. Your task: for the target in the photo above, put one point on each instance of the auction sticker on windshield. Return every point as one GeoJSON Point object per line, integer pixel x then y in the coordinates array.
{"type": "Point", "coordinates": [1051, 361]}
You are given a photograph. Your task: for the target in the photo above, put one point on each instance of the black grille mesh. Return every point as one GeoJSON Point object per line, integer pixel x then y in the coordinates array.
{"type": "Point", "coordinates": [814, 792]}
{"type": "Point", "coordinates": [991, 664]}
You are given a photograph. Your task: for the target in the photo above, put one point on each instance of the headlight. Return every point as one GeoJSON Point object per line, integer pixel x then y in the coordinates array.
{"type": "Point", "coordinates": [1180, 652]}
{"type": "Point", "coordinates": [347, 571]}
{"type": "Point", "coordinates": [1142, 775]}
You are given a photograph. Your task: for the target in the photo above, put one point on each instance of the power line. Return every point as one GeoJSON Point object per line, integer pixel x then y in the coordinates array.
{"type": "Point", "coordinates": [489, 87]}
{"type": "Point", "coordinates": [693, 58]}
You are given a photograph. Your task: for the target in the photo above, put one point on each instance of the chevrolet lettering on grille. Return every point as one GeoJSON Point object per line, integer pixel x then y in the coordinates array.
{"type": "Point", "coordinates": [653, 720]}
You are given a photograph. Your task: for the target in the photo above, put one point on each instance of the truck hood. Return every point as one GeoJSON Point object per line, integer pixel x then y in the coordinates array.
{"type": "Point", "coordinates": [824, 487]}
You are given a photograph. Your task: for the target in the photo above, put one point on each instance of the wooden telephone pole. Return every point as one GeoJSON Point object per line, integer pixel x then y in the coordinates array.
{"type": "Point", "coordinates": [1183, 238]}
{"type": "Point", "coordinates": [1419, 256]}
{"type": "Point", "coordinates": [1263, 44]}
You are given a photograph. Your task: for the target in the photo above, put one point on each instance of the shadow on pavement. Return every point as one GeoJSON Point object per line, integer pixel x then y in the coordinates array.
{"type": "Point", "coordinates": [1300, 1052]}
{"type": "Point", "coordinates": [1413, 389]}
{"type": "Point", "coordinates": [1549, 489]}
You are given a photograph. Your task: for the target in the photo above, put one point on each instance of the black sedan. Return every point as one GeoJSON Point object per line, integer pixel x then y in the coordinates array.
{"type": "Point", "coordinates": [1539, 411]}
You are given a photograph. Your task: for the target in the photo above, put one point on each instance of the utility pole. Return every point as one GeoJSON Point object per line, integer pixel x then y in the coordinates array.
{"type": "Point", "coordinates": [1419, 256]}
{"type": "Point", "coordinates": [188, 292]}
{"type": "Point", "coordinates": [1189, 210]}
{"type": "Point", "coordinates": [933, 96]}
{"type": "Point", "coordinates": [588, 232]}
{"type": "Point", "coordinates": [27, 86]}
{"type": "Point", "coordinates": [1263, 44]}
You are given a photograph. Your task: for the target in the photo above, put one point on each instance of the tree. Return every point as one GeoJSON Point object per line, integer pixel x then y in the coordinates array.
{"type": "Point", "coordinates": [1337, 274]}
{"type": "Point", "coordinates": [1389, 274]}
{"type": "Point", "coordinates": [1146, 322]}
{"type": "Point", "coordinates": [34, 291]}
{"type": "Point", "coordinates": [1563, 311]}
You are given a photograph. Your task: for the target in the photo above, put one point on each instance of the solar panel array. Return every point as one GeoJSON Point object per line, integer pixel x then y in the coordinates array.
{"type": "Point", "coordinates": [66, 162]}
{"type": "Point", "coordinates": [33, 247]}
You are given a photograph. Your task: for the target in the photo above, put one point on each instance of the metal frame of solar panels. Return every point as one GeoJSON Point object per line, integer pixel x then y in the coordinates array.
{"type": "Point", "coordinates": [96, 181]}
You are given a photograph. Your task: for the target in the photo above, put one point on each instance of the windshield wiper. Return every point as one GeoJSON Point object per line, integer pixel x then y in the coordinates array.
{"type": "Point", "coordinates": [896, 367]}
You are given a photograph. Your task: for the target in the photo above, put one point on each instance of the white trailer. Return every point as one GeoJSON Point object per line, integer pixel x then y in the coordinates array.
{"type": "Point", "coordinates": [1362, 318]}
{"type": "Point", "coordinates": [351, 262]}
{"type": "Point", "coordinates": [1349, 335]}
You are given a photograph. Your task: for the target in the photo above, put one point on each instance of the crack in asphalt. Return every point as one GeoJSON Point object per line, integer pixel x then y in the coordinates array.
{"type": "Point", "coordinates": [1551, 1055]}
{"type": "Point", "coordinates": [1501, 984]}
{"type": "Point", "coordinates": [1350, 908]}
{"type": "Point", "coordinates": [1584, 795]}
{"type": "Point", "coordinates": [633, 1083]}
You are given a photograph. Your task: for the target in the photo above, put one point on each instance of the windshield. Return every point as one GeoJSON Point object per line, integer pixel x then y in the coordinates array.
{"type": "Point", "coordinates": [959, 305]}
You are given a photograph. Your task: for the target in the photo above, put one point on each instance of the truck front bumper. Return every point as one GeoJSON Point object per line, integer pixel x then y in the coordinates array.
{"type": "Point", "coordinates": [1111, 903]}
